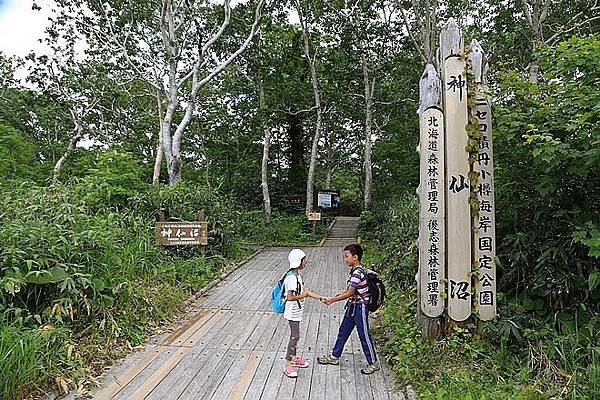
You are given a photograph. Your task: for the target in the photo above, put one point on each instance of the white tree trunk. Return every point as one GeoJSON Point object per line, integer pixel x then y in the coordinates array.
{"type": "Point", "coordinates": [79, 132]}
{"type": "Point", "coordinates": [176, 22]}
{"type": "Point", "coordinates": [265, 158]}
{"type": "Point", "coordinates": [315, 84]}
{"type": "Point", "coordinates": [369, 88]}
{"type": "Point", "coordinates": [328, 173]}
{"type": "Point", "coordinates": [159, 144]}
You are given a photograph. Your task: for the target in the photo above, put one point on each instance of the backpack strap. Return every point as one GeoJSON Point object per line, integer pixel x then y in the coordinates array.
{"type": "Point", "coordinates": [364, 272]}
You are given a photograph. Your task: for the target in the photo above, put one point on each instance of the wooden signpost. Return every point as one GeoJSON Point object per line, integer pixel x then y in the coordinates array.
{"type": "Point", "coordinates": [431, 192]}
{"type": "Point", "coordinates": [457, 182]}
{"type": "Point", "coordinates": [464, 237]}
{"type": "Point", "coordinates": [485, 222]}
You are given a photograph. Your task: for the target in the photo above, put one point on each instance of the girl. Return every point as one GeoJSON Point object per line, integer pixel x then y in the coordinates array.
{"type": "Point", "coordinates": [296, 293]}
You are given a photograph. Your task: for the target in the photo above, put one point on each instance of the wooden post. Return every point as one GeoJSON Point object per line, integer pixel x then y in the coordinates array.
{"type": "Point", "coordinates": [458, 215]}
{"type": "Point", "coordinates": [431, 242]}
{"type": "Point", "coordinates": [485, 222]}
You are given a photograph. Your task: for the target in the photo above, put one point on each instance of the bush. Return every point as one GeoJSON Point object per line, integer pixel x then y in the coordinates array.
{"type": "Point", "coordinates": [395, 227]}
{"type": "Point", "coordinates": [283, 230]}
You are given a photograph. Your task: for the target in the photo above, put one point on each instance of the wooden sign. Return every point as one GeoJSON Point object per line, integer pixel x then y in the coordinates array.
{"type": "Point", "coordinates": [485, 225]}
{"type": "Point", "coordinates": [432, 221]}
{"type": "Point", "coordinates": [314, 216]}
{"type": "Point", "coordinates": [181, 233]}
{"type": "Point", "coordinates": [458, 215]}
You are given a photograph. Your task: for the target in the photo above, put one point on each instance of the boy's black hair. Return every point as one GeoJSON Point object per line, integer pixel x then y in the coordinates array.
{"type": "Point", "coordinates": [355, 250]}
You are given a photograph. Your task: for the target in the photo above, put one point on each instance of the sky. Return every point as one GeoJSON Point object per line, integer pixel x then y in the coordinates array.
{"type": "Point", "coordinates": [21, 27]}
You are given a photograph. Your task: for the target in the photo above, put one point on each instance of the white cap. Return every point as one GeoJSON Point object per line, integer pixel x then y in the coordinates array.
{"type": "Point", "coordinates": [295, 258]}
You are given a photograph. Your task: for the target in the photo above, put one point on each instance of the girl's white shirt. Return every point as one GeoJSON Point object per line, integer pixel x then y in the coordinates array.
{"type": "Point", "coordinates": [293, 312]}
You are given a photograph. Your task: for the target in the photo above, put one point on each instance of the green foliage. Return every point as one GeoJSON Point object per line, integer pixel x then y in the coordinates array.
{"type": "Point", "coordinates": [110, 182]}
{"type": "Point", "coordinates": [19, 156]}
{"type": "Point", "coordinates": [528, 352]}
{"type": "Point", "coordinates": [283, 230]}
{"type": "Point", "coordinates": [394, 227]}
{"type": "Point", "coordinates": [82, 258]}
{"type": "Point", "coordinates": [548, 156]}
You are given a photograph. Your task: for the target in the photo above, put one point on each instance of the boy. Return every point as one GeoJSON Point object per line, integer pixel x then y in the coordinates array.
{"type": "Point", "coordinates": [356, 314]}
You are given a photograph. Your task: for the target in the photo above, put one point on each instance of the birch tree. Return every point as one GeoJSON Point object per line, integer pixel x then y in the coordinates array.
{"type": "Point", "coordinates": [171, 45]}
{"type": "Point", "coordinates": [537, 13]}
{"type": "Point", "coordinates": [79, 86]}
{"type": "Point", "coordinates": [421, 24]}
{"type": "Point", "coordinates": [311, 58]}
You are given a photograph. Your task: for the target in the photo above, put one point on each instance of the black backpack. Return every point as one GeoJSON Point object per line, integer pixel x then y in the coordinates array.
{"type": "Point", "coordinates": [376, 289]}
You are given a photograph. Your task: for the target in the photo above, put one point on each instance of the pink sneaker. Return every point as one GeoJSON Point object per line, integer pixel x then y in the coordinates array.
{"type": "Point", "coordinates": [300, 362]}
{"type": "Point", "coordinates": [290, 371]}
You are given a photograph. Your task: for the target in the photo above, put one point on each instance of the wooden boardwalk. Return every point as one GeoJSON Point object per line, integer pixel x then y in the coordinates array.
{"type": "Point", "coordinates": [234, 347]}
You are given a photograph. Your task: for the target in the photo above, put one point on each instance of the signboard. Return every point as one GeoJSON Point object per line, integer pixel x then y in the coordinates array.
{"type": "Point", "coordinates": [328, 199]}
{"type": "Point", "coordinates": [457, 189]}
{"type": "Point", "coordinates": [432, 221]}
{"type": "Point", "coordinates": [181, 233]}
{"type": "Point", "coordinates": [314, 216]}
{"type": "Point", "coordinates": [324, 200]}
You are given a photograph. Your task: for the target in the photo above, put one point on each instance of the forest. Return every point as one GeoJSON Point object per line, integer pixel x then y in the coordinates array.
{"type": "Point", "coordinates": [145, 110]}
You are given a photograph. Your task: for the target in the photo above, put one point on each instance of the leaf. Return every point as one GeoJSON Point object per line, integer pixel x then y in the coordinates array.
{"type": "Point", "coordinates": [53, 275]}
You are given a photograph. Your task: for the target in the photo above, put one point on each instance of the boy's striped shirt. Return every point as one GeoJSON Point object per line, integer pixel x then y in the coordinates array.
{"type": "Point", "coordinates": [358, 280]}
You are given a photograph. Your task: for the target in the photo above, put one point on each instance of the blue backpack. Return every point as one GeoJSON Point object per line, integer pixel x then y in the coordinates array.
{"type": "Point", "coordinates": [278, 295]}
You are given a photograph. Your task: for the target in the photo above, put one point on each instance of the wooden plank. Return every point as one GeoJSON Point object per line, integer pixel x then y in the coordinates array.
{"type": "Point", "coordinates": [241, 386]}
{"type": "Point", "coordinates": [233, 374]}
{"type": "Point", "coordinates": [119, 382]}
{"type": "Point", "coordinates": [207, 381]}
{"type": "Point", "coordinates": [303, 383]}
{"type": "Point", "coordinates": [281, 335]}
{"type": "Point", "coordinates": [319, 381]}
{"type": "Point", "coordinates": [265, 340]}
{"type": "Point", "coordinates": [190, 326]}
{"type": "Point", "coordinates": [260, 377]}
{"type": "Point", "coordinates": [211, 338]}
{"type": "Point", "coordinates": [347, 379]}
{"type": "Point", "coordinates": [333, 389]}
{"type": "Point", "coordinates": [202, 331]}
{"type": "Point", "coordinates": [150, 383]}
{"type": "Point", "coordinates": [265, 324]}
{"type": "Point", "coordinates": [128, 389]}
{"type": "Point", "coordinates": [220, 290]}
{"type": "Point", "coordinates": [233, 328]}
{"type": "Point", "coordinates": [175, 382]}
{"type": "Point", "coordinates": [378, 386]}
{"type": "Point", "coordinates": [363, 384]}
{"type": "Point", "coordinates": [274, 379]}
{"type": "Point", "coordinates": [249, 327]}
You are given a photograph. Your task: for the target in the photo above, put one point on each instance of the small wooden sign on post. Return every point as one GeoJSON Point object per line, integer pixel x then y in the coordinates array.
{"type": "Point", "coordinates": [182, 233]}
{"type": "Point", "coordinates": [314, 216]}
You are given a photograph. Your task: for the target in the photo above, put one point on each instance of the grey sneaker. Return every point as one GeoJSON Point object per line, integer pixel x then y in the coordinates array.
{"type": "Point", "coordinates": [328, 359]}
{"type": "Point", "coordinates": [369, 369]}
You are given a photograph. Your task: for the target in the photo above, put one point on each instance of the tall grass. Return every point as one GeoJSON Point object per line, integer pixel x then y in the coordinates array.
{"type": "Point", "coordinates": [29, 357]}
